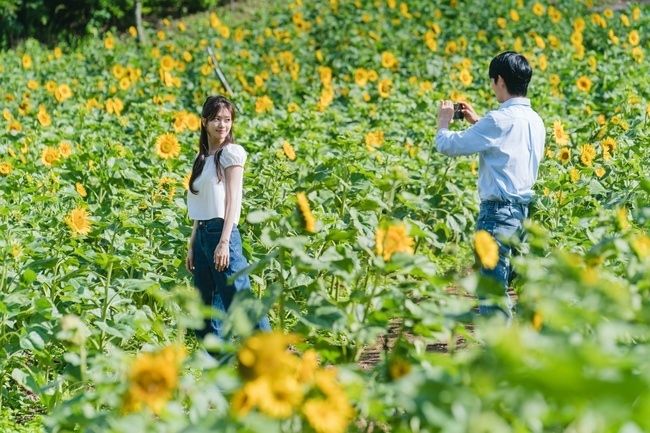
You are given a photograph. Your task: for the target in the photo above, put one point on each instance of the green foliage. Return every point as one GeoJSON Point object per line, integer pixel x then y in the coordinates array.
{"type": "Point", "coordinates": [75, 310]}
{"type": "Point", "coordinates": [56, 21]}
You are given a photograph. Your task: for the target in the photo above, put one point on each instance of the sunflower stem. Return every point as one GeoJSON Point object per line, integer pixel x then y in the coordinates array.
{"type": "Point", "coordinates": [106, 303]}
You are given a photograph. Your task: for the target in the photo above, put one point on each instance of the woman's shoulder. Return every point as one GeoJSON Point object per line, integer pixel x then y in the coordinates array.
{"type": "Point", "coordinates": [233, 154]}
{"type": "Point", "coordinates": [234, 148]}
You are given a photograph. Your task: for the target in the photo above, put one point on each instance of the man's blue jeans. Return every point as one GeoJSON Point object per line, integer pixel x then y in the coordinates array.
{"type": "Point", "coordinates": [216, 289]}
{"type": "Point", "coordinates": [503, 220]}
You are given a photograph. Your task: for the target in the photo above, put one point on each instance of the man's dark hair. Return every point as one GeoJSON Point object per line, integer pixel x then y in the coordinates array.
{"type": "Point", "coordinates": [515, 71]}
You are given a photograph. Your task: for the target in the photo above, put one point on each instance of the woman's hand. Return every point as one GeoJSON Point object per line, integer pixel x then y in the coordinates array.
{"type": "Point", "coordinates": [222, 256]}
{"type": "Point", "coordinates": [189, 261]}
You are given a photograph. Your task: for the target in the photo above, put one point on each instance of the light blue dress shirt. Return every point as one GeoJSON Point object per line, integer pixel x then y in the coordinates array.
{"type": "Point", "coordinates": [510, 144]}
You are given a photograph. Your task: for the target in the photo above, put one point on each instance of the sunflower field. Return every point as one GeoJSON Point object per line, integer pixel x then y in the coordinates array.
{"type": "Point", "coordinates": [359, 235]}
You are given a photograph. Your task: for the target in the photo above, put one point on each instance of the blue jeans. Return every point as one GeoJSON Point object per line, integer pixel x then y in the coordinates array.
{"type": "Point", "coordinates": [217, 287]}
{"type": "Point", "coordinates": [503, 220]}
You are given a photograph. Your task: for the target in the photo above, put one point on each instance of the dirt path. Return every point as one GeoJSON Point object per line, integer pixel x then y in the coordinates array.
{"type": "Point", "coordinates": [372, 354]}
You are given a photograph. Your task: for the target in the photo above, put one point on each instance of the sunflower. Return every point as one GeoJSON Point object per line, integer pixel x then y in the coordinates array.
{"type": "Point", "coordinates": [262, 104]}
{"type": "Point", "coordinates": [80, 189]}
{"type": "Point", "coordinates": [288, 150]}
{"type": "Point", "coordinates": [486, 249]}
{"type": "Point", "coordinates": [574, 174]}
{"type": "Point", "coordinates": [361, 77]}
{"type": "Point", "coordinates": [392, 240]}
{"type": "Point", "coordinates": [27, 61]}
{"type": "Point", "coordinates": [465, 77]}
{"type": "Point", "coordinates": [114, 105]}
{"type": "Point", "coordinates": [633, 38]}
{"type": "Point", "coordinates": [43, 118]}
{"type": "Point", "coordinates": [451, 47]}
{"type": "Point", "coordinates": [78, 222]}
{"type": "Point", "coordinates": [245, 399]}
{"type": "Point", "coordinates": [118, 71]}
{"type": "Point", "coordinates": [292, 107]}
{"type": "Point", "coordinates": [186, 181]}
{"type": "Point", "coordinates": [305, 211]}
{"type": "Point", "coordinates": [325, 73]}
{"type": "Point", "coordinates": [125, 83]}
{"type": "Point", "coordinates": [538, 9]}
{"type": "Point", "coordinates": [15, 125]}
{"type": "Point", "coordinates": [62, 92]}
{"type": "Point", "coordinates": [514, 15]}
{"type": "Point", "coordinates": [325, 417]}
{"type": "Point", "coordinates": [153, 378]}
{"type": "Point", "coordinates": [600, 172]}
{"type": "Point", "coordinates": [398, 368]}
{"type": "Point", "coordinates": [388, 60]}
{"type": "Point", "coordinates": [554, 80]}
{"type": "Point", "coordinates": [306, 370]}
{"type": "Point", "coordinates": [641, 246]}
{"type": "Point", "coordinates": [561, 137]}
{"type": "Point", "coordinates": [32, 85]}
{"type": "Point", "coordinates": [193, 122]}
{"type": "Point", "coordinates": [565, 155]}
{"type": "Point", "coordinates": [180, 121]}
{"type": "Point", "coordinates": [65, 149]}
{"type": "Point", "coordinates": [622, 219]}
{"type": "Point", "coordinates": [109, 42]}
{"type": "Point", "coordinates": [584, 84]}
{"type": "Point", "coordinates": [625, 20]}
{"type": "Point", "coordinates": [576, 38]}
{"type": "Point", "coordinates": [587, 154]}
{"type": "Point", "coordinates": [265, 354]}
{"type": "Point", "coordinates": [384, 87]}
{"type": "Point", "coordinates": [537, 321]}
{"type": "Point", "coordinates": [49, 156]}
{"type": "Point", "coordinates": [167, 63]}
{"type": "Point", "coordinates": [432, 44]}
{"type": "Point", "coordinates": [167, 146]}
{"type": "Point", "coordinates": [374, 139]}
{"type": "Point", "coordinates": [608, 145]}
{"type": "Point", "coordinates": [6, 168]}
{"type": "Point", "coordinates": [279, 397]}
{"type": "Point", "coordinates": [542, 61]}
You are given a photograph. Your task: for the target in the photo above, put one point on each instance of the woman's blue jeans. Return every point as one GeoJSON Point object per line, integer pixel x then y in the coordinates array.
{"type": "Point", "coordinates": [218, 288]}
{"type": "Point", "coordinates": [503, 220]}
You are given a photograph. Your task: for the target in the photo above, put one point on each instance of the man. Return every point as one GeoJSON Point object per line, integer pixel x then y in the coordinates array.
{"type": "Point", "coordinates": [510, 144]}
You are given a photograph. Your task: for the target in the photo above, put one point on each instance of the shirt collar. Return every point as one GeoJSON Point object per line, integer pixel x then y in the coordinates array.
{"type": "Point", "coordinates": [515, 101]}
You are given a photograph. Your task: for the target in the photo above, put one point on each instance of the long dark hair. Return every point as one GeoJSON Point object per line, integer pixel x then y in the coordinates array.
{"type": "Point", "coordinates": [211, 107]}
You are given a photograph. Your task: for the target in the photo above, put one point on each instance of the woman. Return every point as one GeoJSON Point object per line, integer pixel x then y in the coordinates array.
{"type": "Point", "coordinates": [214, 203]}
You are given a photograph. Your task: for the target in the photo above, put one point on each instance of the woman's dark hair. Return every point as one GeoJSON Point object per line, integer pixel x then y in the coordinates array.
{"type": "Point", "coordinates": [211, 107]}
{"type": "Point", "coordinates": [515, 71]}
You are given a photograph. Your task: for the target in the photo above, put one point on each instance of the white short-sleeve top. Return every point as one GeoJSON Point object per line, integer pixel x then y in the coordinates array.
{"type": "Point", "coordinates": [210, 201]}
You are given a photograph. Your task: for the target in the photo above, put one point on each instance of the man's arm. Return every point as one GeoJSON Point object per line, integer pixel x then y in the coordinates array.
{"type": "Point", "coordinates": [477, 138]}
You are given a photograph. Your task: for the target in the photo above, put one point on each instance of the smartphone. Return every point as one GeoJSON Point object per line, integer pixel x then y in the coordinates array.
{"type": "Point", "coordinates": [457, 113]}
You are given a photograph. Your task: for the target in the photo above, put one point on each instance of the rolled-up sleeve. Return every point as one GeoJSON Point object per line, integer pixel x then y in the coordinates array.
{"type": "Point", "coordinates": [477, 138]}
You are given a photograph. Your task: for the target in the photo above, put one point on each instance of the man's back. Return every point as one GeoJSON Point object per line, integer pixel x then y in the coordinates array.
{"type": "Point", "coordinates": [508, 168]}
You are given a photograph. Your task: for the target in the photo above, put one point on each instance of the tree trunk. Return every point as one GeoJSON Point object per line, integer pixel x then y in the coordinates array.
{"type": "Point", "coordinates": [138, 23]}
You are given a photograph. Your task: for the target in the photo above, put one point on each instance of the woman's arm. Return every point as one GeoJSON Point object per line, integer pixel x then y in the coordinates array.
{"type": "Point", "coordinates": [189, 261]}
{"type": "Point", "coordinates": [234, 180]}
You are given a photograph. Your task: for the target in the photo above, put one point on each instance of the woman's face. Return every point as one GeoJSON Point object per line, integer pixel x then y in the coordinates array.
{"type": "Point", "coordinates": [219, 127]}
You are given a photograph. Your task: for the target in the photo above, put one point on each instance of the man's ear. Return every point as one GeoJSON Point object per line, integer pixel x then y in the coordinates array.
{"type": "Point", "coordinates": [203, 121]}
